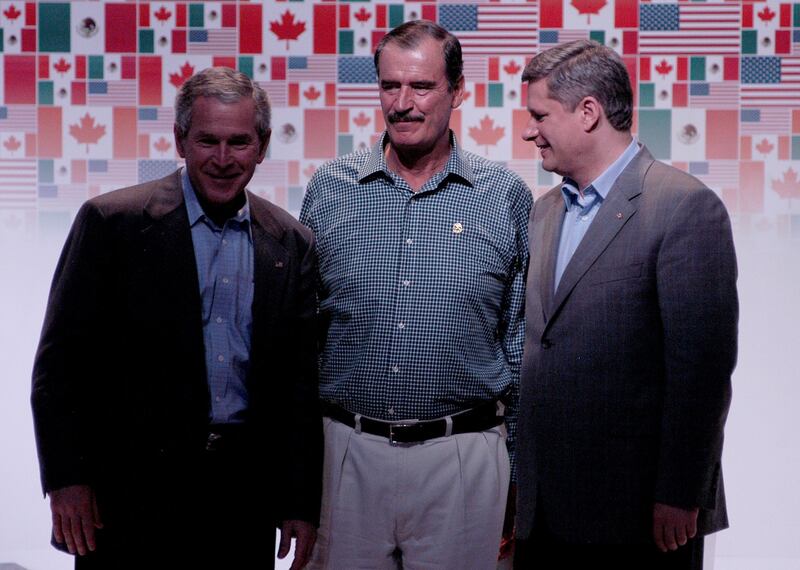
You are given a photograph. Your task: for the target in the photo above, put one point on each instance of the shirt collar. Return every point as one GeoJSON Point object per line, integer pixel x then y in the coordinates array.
{"type": "Point", "coordinates": [456, 165]}
{"type": "Point", "coordinates": [601, 185]}
{"type": "Point", "coordinates": [195, 210]}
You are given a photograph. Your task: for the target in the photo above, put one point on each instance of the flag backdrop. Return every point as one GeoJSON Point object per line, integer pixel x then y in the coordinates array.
{"type": "Point", "coordinates": [86, 90]}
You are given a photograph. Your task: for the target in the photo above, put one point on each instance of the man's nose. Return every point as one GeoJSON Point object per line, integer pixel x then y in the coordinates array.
{"type": "Point", "coordinates": [405, 99]}
{"type": "Point", "coordinates": [222, 154]}
{"type": "Point", "coordinates": [531, 130]}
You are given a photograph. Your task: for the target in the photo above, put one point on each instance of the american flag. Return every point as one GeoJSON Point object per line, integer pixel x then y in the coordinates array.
{"type": "Point", "coordinates": [111, 93]}
{"type": "Point", "coordinates": [714, 95]}
{"type": "Point", "coordinates": [270, 173]}
{"type": "Point", "coordinates": [18, 118]}
{"type": "Point", "coordinates": [549, 38]}
{"type": "Point", "coordinates": [716, 173]}
{"type": "Point", "coordinates": [154, 169]}
{"type": "Point", "coordinates": [356, 86]}
{"type": "Point", "coordinates": [117, 172]}
{"type": "Point", "coordinates": [492, 29]}
{"type": "Point", "coordinates": [62, 196]}
{"type": "Point", "coordinates": [312, 68]}
{"type": "Point", "coordinates": [156, 119]}
{"type": "Point", "coordinates": [276, 91]}
{"type": "Point", "coordinates": [770, 81]}
{"type": "Point", "coordinates": [213, 42]}
{"type": "Point", "coordinates": [768, 121]}
{"type": "Point", "coordinates": [476, 68]}
{"type": "Point", "coordinates": [17, 184]}
{"type": "Point", "coordinates": [689, 28]}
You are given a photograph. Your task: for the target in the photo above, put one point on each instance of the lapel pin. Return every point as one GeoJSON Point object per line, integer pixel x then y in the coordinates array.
{"type": "Point", "coordinates": [279, 264]}
{"type": "Point", "coordinates": [619, 215]}
{"type": "Point", "coordinates": [458, 228]}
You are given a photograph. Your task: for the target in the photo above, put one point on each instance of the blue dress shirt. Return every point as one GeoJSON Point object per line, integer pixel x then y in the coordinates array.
{"type": "Point", "coordinates": [581, 210]}
{"type": "Point", "coordinates": [224, 257]}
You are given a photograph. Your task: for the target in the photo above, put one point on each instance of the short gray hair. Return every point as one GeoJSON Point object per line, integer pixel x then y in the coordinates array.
{"type": "Point", "coordinates": [410, 34]}
{"type": "Point", "coordinates": [227, 85]}
{"type": "Point", "coordinates": [585, 68]}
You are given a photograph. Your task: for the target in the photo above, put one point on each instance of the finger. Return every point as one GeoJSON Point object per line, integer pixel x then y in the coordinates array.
{"type": "Point", "coordinates": [302, 548]}
{"type": "Point", "coordinates": [66, 527]}
{"type": "Point", "coordinates": [88, 527]}
{"type": "Point", "coordinates": [58, 534]}
{"type": "Point", "coordinates": [286, 541]}
{"type": "Point", "coordinates": [691, 528]}
{"type": "Point", "coordinates": [669, 537]}
{"type": "Point", "coordinates": [680, 535]}
{"type": "Point", "coordinates": [658, 535]}
{"type": "Point", "coordinates": [98, 523]}
{"type": "Point", "coordinates": [77, 534]}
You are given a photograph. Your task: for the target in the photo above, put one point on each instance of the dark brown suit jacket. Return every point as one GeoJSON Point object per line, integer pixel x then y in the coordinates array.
{"type": "Point", "coordinates": [119, 382]}
{"type": "Point", "coordinates": [625, 383]}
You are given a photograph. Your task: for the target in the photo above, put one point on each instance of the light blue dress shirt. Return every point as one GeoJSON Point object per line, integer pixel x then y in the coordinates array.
{"type": "Point", "coordinates": [224, 257]}
{"type": "Point", "coordinates": [581, 210]}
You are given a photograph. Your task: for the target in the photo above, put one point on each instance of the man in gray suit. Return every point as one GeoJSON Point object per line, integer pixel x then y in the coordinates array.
{"type": "Point", "coordinates": [631, 335]}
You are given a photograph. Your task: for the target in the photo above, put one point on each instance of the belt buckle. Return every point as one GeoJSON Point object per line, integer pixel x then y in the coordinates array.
{"type": "Point", "coordinates": [399, 425]}
{"type": "Point", "coordinates": [213, 441]}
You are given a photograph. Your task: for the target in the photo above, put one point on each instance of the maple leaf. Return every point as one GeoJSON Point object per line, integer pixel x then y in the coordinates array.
{"type": "Point", "coordinates": [765, 147]}
{"type": "Point", "coordinates": [362, 15]}
{"type": "Point", "coordinates": [310, 170]}
{"type": "Point", "coordinates": [62, 66]}
{"type": "Point", "coordinates": [177, 79]}
{"type": "Point", "coordinates": [12, 13]}
{"type": "Point", "coordinates": [361, 120]}
{"type": "Point", "coordinates": [663, 68]}
{"type": "Point", "coordinates": [766, 14]}
{"type": "Point", "coordinates": [162, 145]}
{"type": "Point", "coordinates": [162, 15]}
{"type": "Point", "coordinates": [12, 144]}
{"type": "Point", "coordinates": [588, 7]}
{"type": "Point", "coordinates": [487, 134]}
{"type": "Point", "coordinates": [789, 187]}
{"type": "Point", "coordinates": [512, 67]}
{"type": "Point", "coordinates": [87, 132]}
{"type": "Point", "coordinates": [287, 29]}
{"type": "Point", "coordinates": [312, 93]}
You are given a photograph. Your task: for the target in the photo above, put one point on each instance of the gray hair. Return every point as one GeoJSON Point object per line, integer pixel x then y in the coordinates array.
{"type": "Point", "coordinates": [410, 34]}
{"type": "Point", "coordinates": [227, 85]}
{"type": "Point", "coordinates": [585, 68]}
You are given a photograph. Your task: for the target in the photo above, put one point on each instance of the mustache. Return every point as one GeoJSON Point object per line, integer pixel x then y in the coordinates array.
{"type": "Point", "coordinates": [403, 118]}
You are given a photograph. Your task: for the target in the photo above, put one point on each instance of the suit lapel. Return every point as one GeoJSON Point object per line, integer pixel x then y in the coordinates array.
{"type": "Point", "coordinates": [612, 216]}
{"type": "Point", "coordinates": [548, 247]}
{"type": "Point", "coordinates": [169, 262]}
{"type": "Point", "coordinates": [270, 261]}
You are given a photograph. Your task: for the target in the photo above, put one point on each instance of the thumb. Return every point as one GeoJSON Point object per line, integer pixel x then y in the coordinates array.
{"type": "Point", "coordinates": [286, 540]}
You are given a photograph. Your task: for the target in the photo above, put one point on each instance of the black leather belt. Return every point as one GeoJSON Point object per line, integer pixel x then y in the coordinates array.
{"type": "Point", "coordinates": [227, 437]}
{"type": "Point", "coordinates": [479, 418]}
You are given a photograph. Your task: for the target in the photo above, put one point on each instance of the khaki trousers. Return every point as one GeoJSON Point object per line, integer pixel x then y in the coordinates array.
{"type": "Point", "coordinates": [432, 505]}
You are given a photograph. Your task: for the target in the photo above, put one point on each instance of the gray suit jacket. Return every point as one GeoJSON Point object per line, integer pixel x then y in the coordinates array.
{"type": "Point", "coordinates": [625, 383]}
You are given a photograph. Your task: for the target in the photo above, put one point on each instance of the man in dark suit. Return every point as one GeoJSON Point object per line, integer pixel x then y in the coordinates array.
{"type": "Point", "coordinates": [174, 389]}
{"type": "Point", "coordinates": [631, 316]}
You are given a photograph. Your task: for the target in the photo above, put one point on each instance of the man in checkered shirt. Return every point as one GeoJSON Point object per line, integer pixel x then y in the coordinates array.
{"type": "Point", "coordinates": [422, 253]}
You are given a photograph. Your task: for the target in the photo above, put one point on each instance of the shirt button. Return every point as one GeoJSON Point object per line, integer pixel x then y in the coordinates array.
{"type": "Point", "coordinates": [395, 369]}
{"type": "Point", "coordinates": [390, 411]}
{"type": "Point", "coordinates": [221, 358]}
{"type": "Point", "coordinates": [224, 242]}
{"type": "Point", "coordinates": [406, 283]}
{"type": "Point", "coordinates": [401, 325]}
{"type": "Point", "coordinates": [225, 280]}
{"type": "Point", "coordinates": [218, 319]}
{"type": "Point", "coordinates": [584, 218]}
{"type": "Point", "coordinates": [217, 399]}
{"type": "Point", "coordinates": [409, 241]}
